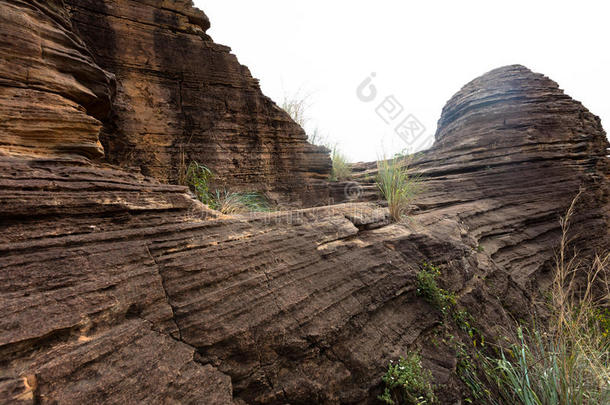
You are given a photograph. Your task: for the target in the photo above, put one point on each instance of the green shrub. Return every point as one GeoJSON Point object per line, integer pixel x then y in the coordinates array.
{"type": "Point", "coordinates": [341, 169]}
{"type": "Point", "coordinates": [407, 383]}
{"type": "Point", "coordinates": [198, 178]}
{"type": "Point", "coordinates": [428, 288]}
{"type": "Point", "coordinates": [397, 186]}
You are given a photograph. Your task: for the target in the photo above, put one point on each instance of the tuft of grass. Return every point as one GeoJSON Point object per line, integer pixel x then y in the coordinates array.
{"type": "Point", "coordinates": [198, 177]}
{"type": "Point", "coordinates": [238, 203]}
{"type": "Point", "coordinates": [568, 361]}
{"type": "Point", "coordinates": [297, 107]}
{"type": "Point", "coordinates": [408, 383]}
{"type": "Point", "coordinates": [397, 186]}
{"type": "Point", "coordinates": [341, 169]}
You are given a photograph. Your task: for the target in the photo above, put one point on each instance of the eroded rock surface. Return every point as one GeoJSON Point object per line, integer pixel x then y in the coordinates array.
{"type": "Point", "coordinates": [53, 95]}
{"type": "Point", "coordinates": [114, 275]}
{"type": "Point", "coordinates": [182, 97]}
{"type": "Point", "coordinates": [117, 288]}
{"type": "Point", "coordinates": [512, 150]}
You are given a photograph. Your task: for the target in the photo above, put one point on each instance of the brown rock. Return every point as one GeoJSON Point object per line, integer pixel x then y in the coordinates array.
{"type": "Point", "coordinates": [53, 94]}
{"type": "Point", "coordinates": [301, 306]}
{"type": "Point", "coordinates": [511, 152]}
{"type": "Point", "coordinates": [182, 97]}
{"type": "Point", "coordinates": [116, 288]}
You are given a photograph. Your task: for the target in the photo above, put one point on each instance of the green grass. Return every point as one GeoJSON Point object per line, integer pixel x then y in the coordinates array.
{"type": "Point", "coordinates": [238, 203]}
{"type": "Point", "coordinates": [397, 186]}
{"type": "Point", "coordinates": [564, 361]}
{"type": "Point", "coordinates": [198, 178]}
{"type": "Point", "coordinates": [341, 170]}
{"type": "Point", "coordinates": [408, 383]}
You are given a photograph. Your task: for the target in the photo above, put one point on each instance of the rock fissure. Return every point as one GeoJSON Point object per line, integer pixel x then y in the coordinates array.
{"type": "Point", "coordinates": [165, 293]}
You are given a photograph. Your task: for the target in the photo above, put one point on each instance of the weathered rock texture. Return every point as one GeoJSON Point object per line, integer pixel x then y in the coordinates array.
{"type": "Point", "coordinates": [182, 97]}
{"type": "Point", "coordinates": [115, 288]}
{"type": "Point", "coordinates": [53, 95]}
{"type": "Point", "coordinates": [511, 152]}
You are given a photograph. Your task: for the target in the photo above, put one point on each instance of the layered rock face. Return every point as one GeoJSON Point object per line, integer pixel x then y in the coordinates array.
{"type": "Point", "coordinates": [53, 95]}
{"type": "Point", "coordinates": [182, 97]}
{"type": "Point", "coordinates": [116, 288]}
{"type": "Point", "coordinates": [511, 152]}
{"type": "Point", "coordinates": [523, 148]}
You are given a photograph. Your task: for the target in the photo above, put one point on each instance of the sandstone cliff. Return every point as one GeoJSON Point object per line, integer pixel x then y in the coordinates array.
{"type": "Point", "coordinates": [118, 288]}
{"type": "Point", "coordinates": [177, 97]}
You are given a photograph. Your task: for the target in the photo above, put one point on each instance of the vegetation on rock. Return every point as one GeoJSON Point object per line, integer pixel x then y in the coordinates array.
{"type": "Point", "coordinates": [428, 288]}
{"type": "Point", "coordinates": [564, 361]}
{"type": "Point", "coordinates": [341, 169]}
{"type": "Point", "coordinates": [397, 185]}
{"type": "Point", "coordinates": [198, 178]}
{"type": "Point", "coordinates": [408, 383]}
{"type": "Point", "coordinates": [297, 107]}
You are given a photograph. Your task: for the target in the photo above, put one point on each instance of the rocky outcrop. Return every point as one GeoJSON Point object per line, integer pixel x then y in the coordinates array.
{"type": "Point", "coordinates": [53, 95]}
{"type": "Point", "coordinates": [107, 276]}
{"type": "Point", "coordinates": [511, 152]}
{"type": "Point", "coordinates": [117, 288]}
{"type": "Point", "coordinates": [181, 97]}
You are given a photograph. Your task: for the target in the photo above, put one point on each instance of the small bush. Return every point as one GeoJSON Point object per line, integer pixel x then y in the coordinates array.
{"type": "Point", "coordinates": [407, 383]}
{"type": "Point", "coordinates": [297, 106]}
{"type": "Point", "coordinates": [397, 186]}
{"type": "Point", "coordinates": [198, 178]}
{"type": "Point", "coordinates": [341, 169]}
{"type": "Point", "coordinates": [427, 288]}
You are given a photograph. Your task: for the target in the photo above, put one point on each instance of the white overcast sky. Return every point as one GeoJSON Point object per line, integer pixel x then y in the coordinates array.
{"type": "Point", "coordinates": [422, 52]}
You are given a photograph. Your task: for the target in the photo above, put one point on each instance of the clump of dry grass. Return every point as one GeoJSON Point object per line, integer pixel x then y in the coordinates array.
{"type": "Point", "coordinates": [297, 106]}
{"type": "Point", "coordinates": [230, 203]}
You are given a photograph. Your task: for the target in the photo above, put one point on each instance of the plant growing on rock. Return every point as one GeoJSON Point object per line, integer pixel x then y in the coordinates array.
{"type": "Point", "coordinates": [567, 361]}
{"type": "Point", "coordinates": [237, 203]}
{"type": "Point", "coordinates": [397, 185]}
{"type": "Point", "coordinates": [198, 178]}
{"type": "Point", "coordinates": [428, 288]}
{"type": "Point", "coordinates": [297, 106]}
{"type": "Point", "coordinates": [341, 169]}
{"type": "Point", "coordinates": [408, 383]}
